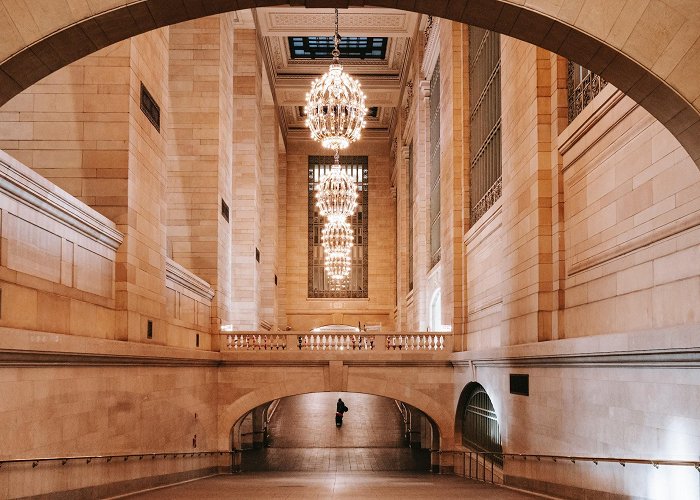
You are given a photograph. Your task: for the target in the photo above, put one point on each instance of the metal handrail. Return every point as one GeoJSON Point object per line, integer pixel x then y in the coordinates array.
{"type": "Point", "coordinates": [580, 458]}
{"type": "Point", "coordinates": [125, 457]}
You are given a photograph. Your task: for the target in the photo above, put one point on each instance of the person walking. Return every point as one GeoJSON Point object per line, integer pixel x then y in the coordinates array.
{"type": "Point", "coordinates": [340, 408]}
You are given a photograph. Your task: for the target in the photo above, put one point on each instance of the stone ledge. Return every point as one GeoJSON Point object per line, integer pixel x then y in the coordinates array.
{"type": "Point", "coordinates": [674, 347]}
{"type": "Point", "coordinates": [185, 278]}
{"type": "Point", "coordinates": [26, 186]}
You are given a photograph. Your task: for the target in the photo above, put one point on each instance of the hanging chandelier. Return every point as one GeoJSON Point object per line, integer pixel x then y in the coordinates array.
{"type": "Point", "coordinates": [338, 267]}
{"type": "Point", "coordinates": [335, 105]}
{"type": "Point", "coordinates": [336, 193]}
{"type": "Point", "coordinates": [336, 238]}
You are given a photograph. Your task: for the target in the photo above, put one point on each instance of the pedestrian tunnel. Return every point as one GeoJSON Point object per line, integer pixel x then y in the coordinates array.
{"type": "Point", "coordinates": [299, 433]}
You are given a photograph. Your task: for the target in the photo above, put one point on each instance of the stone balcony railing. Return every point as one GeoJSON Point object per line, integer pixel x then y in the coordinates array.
{"type": "Point", "coordinates": [428, 342]}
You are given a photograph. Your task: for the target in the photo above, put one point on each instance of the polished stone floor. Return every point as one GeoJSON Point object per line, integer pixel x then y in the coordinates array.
{"type": "Point", "coordinates": [303, 437]}
{"type": "Point", "coordinates": [325, 485]}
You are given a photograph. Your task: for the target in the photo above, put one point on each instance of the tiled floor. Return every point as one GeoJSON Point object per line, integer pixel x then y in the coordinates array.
{"type": "Point", "coordinates": [341, 485]}
{"type": "Point", "coordinates": [303, 437]}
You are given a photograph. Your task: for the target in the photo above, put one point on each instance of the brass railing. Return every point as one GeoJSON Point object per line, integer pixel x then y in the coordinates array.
{"type": "Point", "coordinates": [484, 465]}
{"type": "Point", "coordinates": [116, 457]}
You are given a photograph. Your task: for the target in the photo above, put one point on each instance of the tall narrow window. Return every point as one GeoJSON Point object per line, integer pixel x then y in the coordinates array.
{"type": "Point", "coordinates": [484, 120]}
{"type": "Point", "coordinates": [410, 217]}
{"type": "Point", "coordinates": [435, 166]}
{"type": "Point", "coordinates": [319, 284]}
{"type": "Point", "coordinates": [582, 86]}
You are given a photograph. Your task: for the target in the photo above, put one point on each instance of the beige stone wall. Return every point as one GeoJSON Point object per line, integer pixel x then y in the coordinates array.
{"type": "Point", "coordinates": [632, 407]}
{"type": "Point", "coordinates": [304, 313]}
{"type": "Point", "coordinates": [246, 201]}
{"type": "Point", "coordinates": [73, 128]}
{"type": "Point", "coordinates": [200, 153]}
{"type": "Point", "coordinates": [89, 409]}
{"type": "Point", "coordinates": [632, 207]}
{"type": "Point", "coordinates": [57, 258]}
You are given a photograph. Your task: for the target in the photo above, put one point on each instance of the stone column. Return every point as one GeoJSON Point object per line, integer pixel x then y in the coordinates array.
{"type": "Point", "coordinates": [527, 171]}
{"type": "Point", "coordinates": [403, 205]}
{"type": "Point", "coordinates": [452, 95]}
{"type": "Point", "coordinates": [269, 213]}
{"type": "Point", "coordinates": [199, 154]}
{"type": "Point", "coordinates": [421, 166]}
{"type": "Point", "coordinates": [247, 192]}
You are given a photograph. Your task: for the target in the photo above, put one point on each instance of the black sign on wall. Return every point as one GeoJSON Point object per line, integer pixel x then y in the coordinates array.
{"type": "Point", "coordinates": [520, 384]}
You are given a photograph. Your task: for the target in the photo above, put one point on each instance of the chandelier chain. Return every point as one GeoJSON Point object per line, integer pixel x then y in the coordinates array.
{"type": "Point", "coordinates": [336, 40]}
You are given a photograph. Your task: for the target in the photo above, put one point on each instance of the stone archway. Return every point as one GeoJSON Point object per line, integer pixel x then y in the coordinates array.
{"type": "Point", "coordinates": [653, 56]}
{"type": "Point", "coordinates": [230, 413]}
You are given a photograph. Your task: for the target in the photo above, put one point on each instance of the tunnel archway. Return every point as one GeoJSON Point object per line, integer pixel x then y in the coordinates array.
{"type": "Point", "coordinates": [232, 413]}
{"type": "Point", "coordinates": [655, 72]}
{"type": "Point", "coordinates": [476, 422]}
{"type": "Point", "coordinates": [301, 434]}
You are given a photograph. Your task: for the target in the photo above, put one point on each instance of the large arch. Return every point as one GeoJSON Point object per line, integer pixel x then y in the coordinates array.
{"type": "Point", "coordinates": [438, 414]}
{"type": "Point", "coordinates": [653, 55]}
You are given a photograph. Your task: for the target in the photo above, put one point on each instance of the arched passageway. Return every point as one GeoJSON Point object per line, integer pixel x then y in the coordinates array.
{"type": "Point", "coordinates": [652, 56]}
{"type": "Point", "coordinates": [378, 434]}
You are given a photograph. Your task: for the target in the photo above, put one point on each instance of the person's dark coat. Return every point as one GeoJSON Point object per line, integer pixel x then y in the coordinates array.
{"type": "Point", "coordinates": [340, 406]}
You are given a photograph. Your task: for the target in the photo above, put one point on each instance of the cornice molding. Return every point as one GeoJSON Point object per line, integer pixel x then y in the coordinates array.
{"type": "Point", "coordinates": [25, 359]}
{"type": "Point", "coordinates": [177, 274]}
{"type": "Point", "coordinates": [662, 358]}
{"type": "Point", "coordinates": [584, 123]}
{"type": "Point", "coordinates": [32, 190]}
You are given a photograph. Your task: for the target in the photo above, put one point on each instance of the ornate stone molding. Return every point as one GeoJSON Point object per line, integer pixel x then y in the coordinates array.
{"type": "Point", "coordinates": [29, 188]}
{"type": "Point", "coordinates": [432, 46]}
{"type": "Point", "coordinates": [177, 274]}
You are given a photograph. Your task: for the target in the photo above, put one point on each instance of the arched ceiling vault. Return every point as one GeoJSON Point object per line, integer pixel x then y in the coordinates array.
{"type": "Point", "coordinates": [650, 51]}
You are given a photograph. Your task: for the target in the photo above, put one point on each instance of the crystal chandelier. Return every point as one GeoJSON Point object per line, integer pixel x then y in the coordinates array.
{"type": "Point", "coordinates": [336, 193]}
{"type": "Point", "coordinates": [335, 115]}
{"type": "Point", "coordinates": [338, 267]}
{"type": "Point", "coordinates": [335, 106]}
{"type": "Point", "coordinates": [336, 238]}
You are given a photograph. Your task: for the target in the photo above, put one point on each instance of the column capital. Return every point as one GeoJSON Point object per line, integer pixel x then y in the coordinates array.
{"type": "Point", "coordinates": [424, 87]}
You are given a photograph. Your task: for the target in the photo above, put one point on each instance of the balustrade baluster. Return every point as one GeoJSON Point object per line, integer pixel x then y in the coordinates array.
{"type": "Point", "coordinates": [442, 342]}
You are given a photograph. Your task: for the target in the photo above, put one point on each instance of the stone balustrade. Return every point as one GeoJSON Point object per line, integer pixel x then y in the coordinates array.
{"type": "Point", "coordinates": [337, 341]}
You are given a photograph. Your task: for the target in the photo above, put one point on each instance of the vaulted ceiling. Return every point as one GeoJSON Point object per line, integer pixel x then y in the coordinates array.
{"type": "Point", "coordinates": [290, 78]}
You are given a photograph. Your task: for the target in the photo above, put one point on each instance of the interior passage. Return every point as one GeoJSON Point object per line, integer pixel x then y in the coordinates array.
{"type": "Point", "coordinates": [334, 485]}
{"type": "Point", "coordinates": [303, 437]}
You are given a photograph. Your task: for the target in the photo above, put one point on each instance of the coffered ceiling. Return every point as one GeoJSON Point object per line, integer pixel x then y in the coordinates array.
{"type": "Point", "coordinates": [290, 78]}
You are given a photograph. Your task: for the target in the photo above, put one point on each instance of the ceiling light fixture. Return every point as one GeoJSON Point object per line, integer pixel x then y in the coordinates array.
{"type": "Point", "coordinates": [335, 106]}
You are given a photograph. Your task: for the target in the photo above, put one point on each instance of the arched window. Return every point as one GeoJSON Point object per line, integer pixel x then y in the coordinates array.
{"type": "Point", "coordinates": [480, 423]}
{"type": "Point", "coordinates": [436, 311]}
